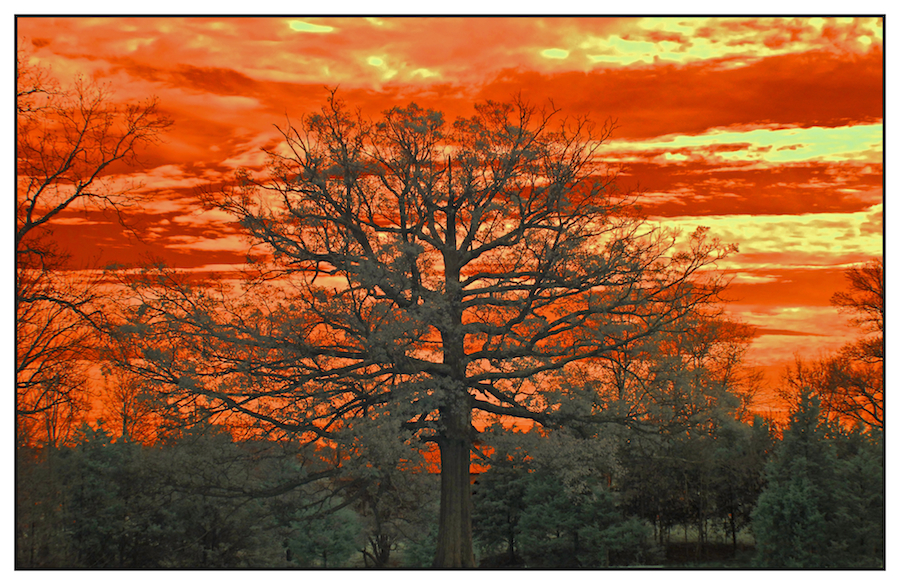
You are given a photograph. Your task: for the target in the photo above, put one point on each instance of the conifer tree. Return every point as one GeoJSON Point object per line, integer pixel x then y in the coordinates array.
{"type": "Point", "coordinates": [499, 502]}
{"type": "Point", "coordinates": [795, 521]}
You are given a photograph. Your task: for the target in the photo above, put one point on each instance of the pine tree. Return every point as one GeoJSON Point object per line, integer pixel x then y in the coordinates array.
{"type": "Point", "coordinates": [795, 521]}
{"type": "Point", "coordinates": [499, 502]}
{"type": "Point", "coordinates": [861, 518]}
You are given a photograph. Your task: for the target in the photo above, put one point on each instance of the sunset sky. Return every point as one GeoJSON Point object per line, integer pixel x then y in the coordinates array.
{"type": "Point", "coordinates": [767, 130]}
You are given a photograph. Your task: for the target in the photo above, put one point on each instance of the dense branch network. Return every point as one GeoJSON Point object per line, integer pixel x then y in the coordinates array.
{"type": "Point", "coordinates": [422, 264]}
{"type": "Point", "coordinates": [71, 145]}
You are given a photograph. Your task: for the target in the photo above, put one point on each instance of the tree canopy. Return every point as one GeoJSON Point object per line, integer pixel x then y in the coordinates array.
{"type": "Point", "coordinates": [417, 271]}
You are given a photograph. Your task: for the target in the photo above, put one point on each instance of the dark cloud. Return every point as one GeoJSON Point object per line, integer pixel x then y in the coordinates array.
{"type": "Point", "coordinates": [760, 331]}
{"type": "Point", "coordinates": [707, 189]}
{"type": "Point", "coordinates": [806, 89]}
{"type": "Point", "coordinates": [96, 239]}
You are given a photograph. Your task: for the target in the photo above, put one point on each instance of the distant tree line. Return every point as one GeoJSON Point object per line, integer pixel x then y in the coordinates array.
{"type": "Point", "coordinates": [739, 496]}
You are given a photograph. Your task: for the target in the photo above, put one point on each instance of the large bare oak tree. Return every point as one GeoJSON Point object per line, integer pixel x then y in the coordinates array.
{"type": "Point", "coordinates": [418, 272]}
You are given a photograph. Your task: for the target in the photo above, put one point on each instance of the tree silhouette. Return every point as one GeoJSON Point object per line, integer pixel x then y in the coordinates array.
{"type": "Point", "coordinates": [850, 382]}
{"type": "Point", "coordinates": [854, 384]}
{"type": "Point", "coordinates": [418, 272]}
{"type": "Point", "coordinates": [865, 299]}
{"type": "Point", "coordinates": [69, 145]}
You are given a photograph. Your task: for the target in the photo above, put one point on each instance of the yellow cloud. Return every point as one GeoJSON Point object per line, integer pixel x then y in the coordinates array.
{"type": "Point", "coordinates": [732, 38]}
{"type": "Point", "coordinates": [860, 143]}
{"type": "Point", "coordinates": [301, 26]}
{"type": "Point", "coordinates": [776, 241]}
{"type": "Point", "coordinates": [555, 53]}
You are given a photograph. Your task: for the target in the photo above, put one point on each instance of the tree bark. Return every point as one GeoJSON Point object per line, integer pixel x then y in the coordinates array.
{"type": "Point", "coordinates": [454, 545]}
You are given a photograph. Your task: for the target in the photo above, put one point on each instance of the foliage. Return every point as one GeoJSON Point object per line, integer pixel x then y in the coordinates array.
{"type": "Point", "coordinates": [700, 478]}
{"type": "Point", "coordinates": [499, 502]}
{"type": "Point", "coordinates": [585, 528]}
{"type": "Point", "coordinates": [817, 511]}
{"type": "Point", "coordinates": [418, 551]}
{"type": "Point", "coordinates": [740, 456]}
{"type": "Point", "coordinates": [545, 501]}
{"type": "Point", "coordinates": [391, 489]}
{"type": "Point", "coordinates": [324, 541]}
{"type": "Point", "coordinates": [200, 500]}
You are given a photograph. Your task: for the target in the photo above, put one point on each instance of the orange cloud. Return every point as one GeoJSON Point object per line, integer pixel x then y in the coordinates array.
{"type": "Point", "coordinates": [720, 120]}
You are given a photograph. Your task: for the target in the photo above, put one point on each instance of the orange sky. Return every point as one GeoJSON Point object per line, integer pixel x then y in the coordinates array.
{"type": "Point", "coordinates": [767, 130]}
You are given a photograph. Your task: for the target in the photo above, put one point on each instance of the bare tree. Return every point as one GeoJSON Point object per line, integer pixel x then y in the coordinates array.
{"type": "Point", "coordinates": [865, 301]}
{"type": "Point", "coordinates": [850, 383]}
{"type": "Point", "coordinates": [421, 271]}
{"type": "Point", "coordinates": [70, 142]}
{"type": "Point", "coordinates": [130, 407]}
{"type": "Point", "coordinates": [51, 339]}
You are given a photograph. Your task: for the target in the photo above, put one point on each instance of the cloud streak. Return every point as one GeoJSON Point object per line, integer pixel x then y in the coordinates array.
{"type": "Point", "coordinates": [745, 125]}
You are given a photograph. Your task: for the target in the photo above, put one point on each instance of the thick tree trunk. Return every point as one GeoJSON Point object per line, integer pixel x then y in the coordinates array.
{"type": "Point", "coordinates": [454, 544]}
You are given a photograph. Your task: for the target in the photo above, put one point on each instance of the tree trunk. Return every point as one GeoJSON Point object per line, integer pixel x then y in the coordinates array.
{"type": "Point", "coordinates": [733, 533]}
{"type": "Point", "coordinates": [454, 544]}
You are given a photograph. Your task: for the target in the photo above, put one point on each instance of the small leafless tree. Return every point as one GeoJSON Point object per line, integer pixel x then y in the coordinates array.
{"type": "Point", "coordinates": [850, 382]}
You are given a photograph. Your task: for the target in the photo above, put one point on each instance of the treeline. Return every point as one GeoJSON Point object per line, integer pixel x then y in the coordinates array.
{"type": "Point", "coordinates": [742, 495]}
{"type": "Point", "coordinates": [736, 495]}
{"type": "Point", "coordinates": [201, 499]}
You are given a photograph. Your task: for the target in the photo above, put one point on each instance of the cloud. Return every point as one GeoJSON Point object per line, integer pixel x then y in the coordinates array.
{"type": "Point", "coordinates": [555, 53]}
{"type": "Point", "coordinates": [795, 90]}
{"type": "Point", "coordinates": [769, 130]}
{"type": "Point", "coordinates": [76, 221]}
{"type": "Point", "coordinates": [202, 217]}
{"type": "Point", "coordinates": [703, 188]}
{"type": "Point", "coordinates": [219, 243]}
{"type": "Point", "coordinates": [772, 287]}
{"type": "Point", "coordinates": [724, 146]}
{"type": "Point", "coordinates": [788, 331]}
{"type": "Point", "coordinates": [303, 26]}
{"type": "Point", "coordinates": [773, 241]}
{"type": "Point", "coordinates": [171, 177]}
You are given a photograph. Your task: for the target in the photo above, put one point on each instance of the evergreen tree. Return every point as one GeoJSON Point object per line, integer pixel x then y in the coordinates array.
{"type": "Point", "coordinates": [861, 518]}
{"type": "Point", "coordinates": [796, 518]}
{"type": "Point", "coordinates": [198, 500]}
{"type": "Point", "coordinates": [585, 528]}
{"type": "Point", "coordinates": [326, 541]}
{"type": "Point", "coordinates": [499, 502]}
